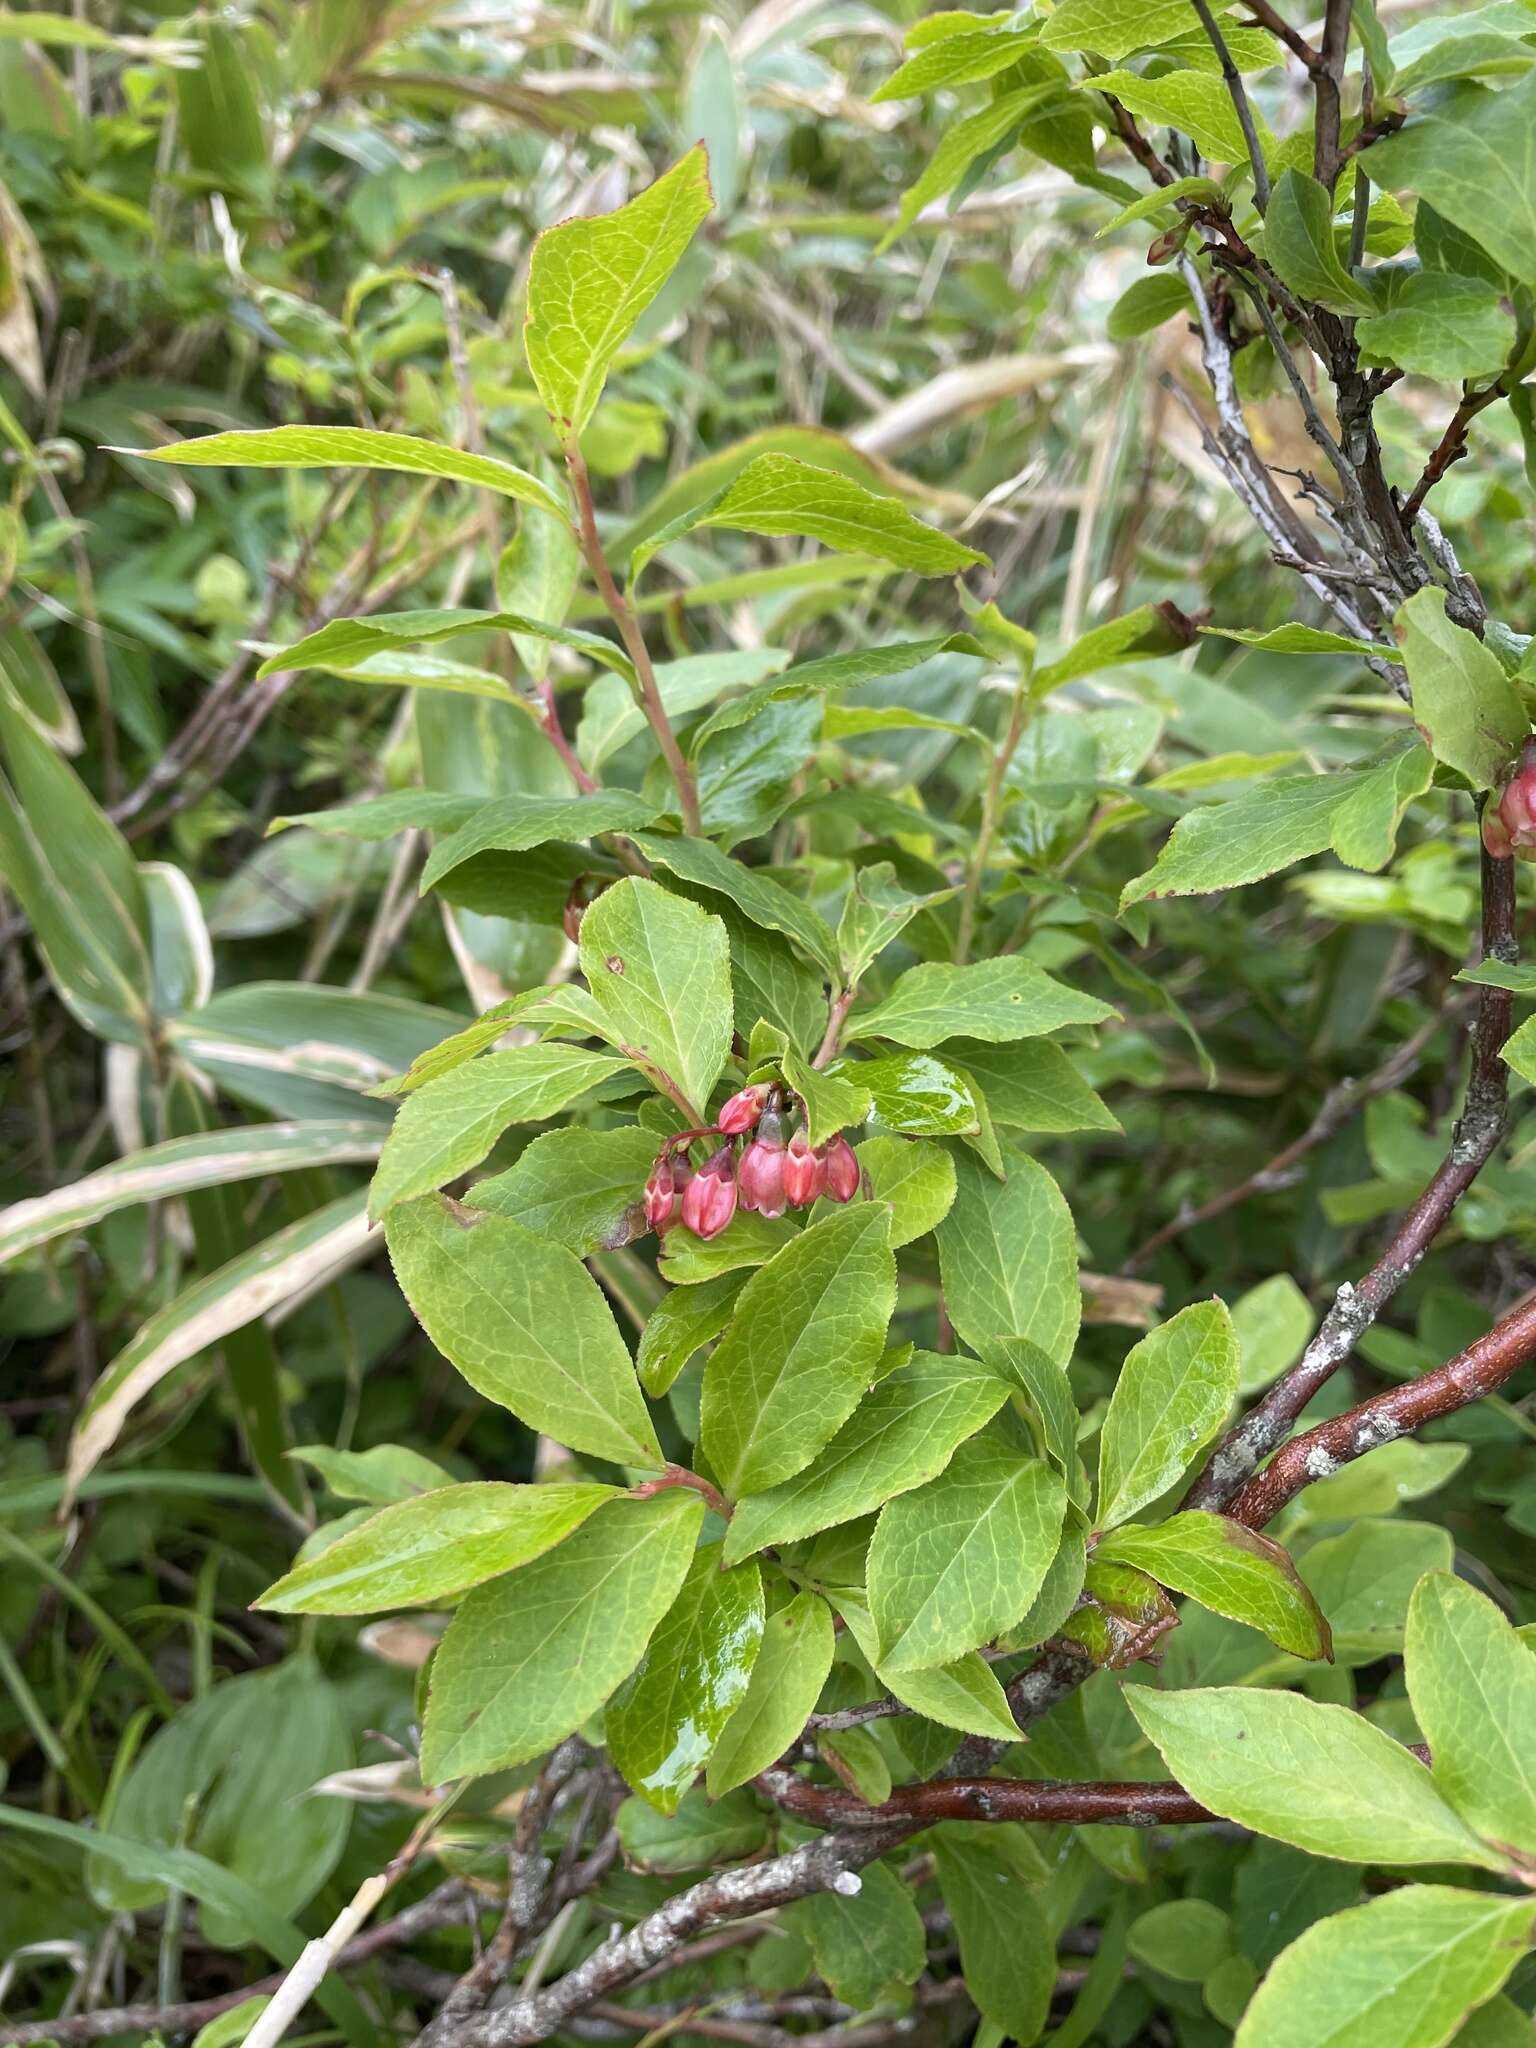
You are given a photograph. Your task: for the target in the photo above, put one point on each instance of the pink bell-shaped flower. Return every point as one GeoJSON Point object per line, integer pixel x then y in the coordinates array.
{"type": "Point", "coordinates": [661, 1194]}
{"type": "Point", "coordinates": [742, 1111]}
{"type": "Point", "coordinates": [805, 1171]}
{"type": "Point", "coordinates": [761, 1173]}
{"type": "Point", "coordinates": [842, 1170]}
{"type": "Point", "coordinates": [709, 1200]}
{"type": "Point", "coordinates": [1509, 824]}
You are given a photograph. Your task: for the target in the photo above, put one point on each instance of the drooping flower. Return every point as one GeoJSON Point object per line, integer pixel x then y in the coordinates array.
{"type": "Point", "coordinates": [661, 1193]}
{"type": "Point", "coordinates": [742, 1111]}
{"type": "Point", "coordinates": [842, 1170]}
{"type": "Point", "coordinates": [709, 1200]}
{"type": "Point", "coordinates": [762, 1168]}
{"type": "Point", "coordinates": [805, 1171]}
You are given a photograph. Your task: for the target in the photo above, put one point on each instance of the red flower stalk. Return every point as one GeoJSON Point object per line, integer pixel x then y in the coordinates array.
{"type": "Point", "coordinates": [762, 1168]}
{"type": "Point", "coordinates": [742, 1111]}
{"type": "Point", "coordinates": [1509, 826]}
{"type": "Point", "coordinates": [709, 1200]}
{"type": "Point", "coordinates": [805, 1171]}
{"type": "Point", "coordinates": [842, 1170]}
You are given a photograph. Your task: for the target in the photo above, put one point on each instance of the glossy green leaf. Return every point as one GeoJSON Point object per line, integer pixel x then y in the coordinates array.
{"type": "Point", "coordinates": [578, 1188]}
{"type": "Point", "coordinates": [807, 1333]}
{"type": "Point", "coordinates": [916, 1093]}
{"type": "Point", "coordinates": [526, 1325]}
{"type": "Point", "coordinates": [955, 60]}
{"type": "Point", "coordinates": [352, 448]}
{"type": "Point", "coordinates": [1402, 1971]}
{"type": "Point", "coordinates": [790, 1669]}
{"type": "Point", "coordinates": [1008, 1257]}
{"type": "Point", "coordinates": [1229, 1569]}
{"type": "Point", "coordinates": [419, 1552]}
{"type": "Point", "coordinates": [660, 970]}
{"type": "Point", "coordinates": [954, 1563]}
{"type": "Point", "coordinates": [833, 1102]}
{"type": "Point", "coordinates": [590, 279]}
{"type": "Point", "coordinates": [1032, 1085]}
{"type": "Point", "coordinates": [529, 1657]}
{"type": "Point", "coordinates": [747, 1241]}
{"type": "Point", "coordinates": [993, 1000]}
{"type": "Point", "coordinates": [1473, 1686]}
{"type": "Point", "coordinates": [900, 1436]}
{"type": "Point", "coordinates": [1319, 1777]}
{"type": "Point", "coordinates": [1465, 705]}
{"type": "Point", "coordinates": [1171, 1398]}
{"type": "Point", "coordinates": [444, 1128]}
{"type": "Point", "coordinates": [663, 1723]}
{"type": "Point", "coordinates": [958, 149]}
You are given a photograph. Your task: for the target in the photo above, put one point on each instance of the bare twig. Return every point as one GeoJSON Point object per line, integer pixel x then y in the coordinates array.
{"type": "Point", "coordinates": [1232, 78]}
{"type": "Point", "coordinates": [990, 1799]}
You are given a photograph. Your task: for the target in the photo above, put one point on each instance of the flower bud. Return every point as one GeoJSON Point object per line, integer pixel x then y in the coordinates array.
{"type": "Point", "coordinates": [805, 1171]}
{"type": "Point", "coordinates": [1509, 826]}
{"type": "Point", "coordinates": [661, 1194]}
{"type": "Point", "coordinates": [762, 1168]}
{"type": "Point", "coordinates": [842, 1170]}
{"type": "Point", "coordinates": [742, 1111]}
{"type": "Point", "coordinates": [709, 1200]}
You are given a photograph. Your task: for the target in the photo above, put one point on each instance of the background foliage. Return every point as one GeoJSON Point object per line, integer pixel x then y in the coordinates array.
{"type": "Point", "coordinates": [1247, 1073]}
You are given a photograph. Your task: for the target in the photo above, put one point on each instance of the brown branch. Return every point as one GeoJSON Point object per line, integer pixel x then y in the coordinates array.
{"type": "Point", "coordinates": [1232, 78]}
{"type": "Point", "coordinates": [1450, 449]}
{"type": "Point", "coordinates": [1138, 144]}
{"type": "Point", "coordinates": [989, 1799]}
{"type": "Point", "coordinates": [1266, 16]}
{"type": "Point", "coordinates": [1475, 1373]}
{"type": "Point", "coordinates": [1356, 1307]}
{"type": "Point", "coordinates": [1327, 80]}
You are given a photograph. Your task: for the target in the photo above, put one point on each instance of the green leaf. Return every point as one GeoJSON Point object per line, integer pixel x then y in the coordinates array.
{"type": "Point", "coordinates": [958, 149]}
{"type": "Point", "coordinates": [578, 1188]}
{"type": "Point", "coordinates": [368, 647]}
{"type": "Point", "coordinates": [281, 1269]}
{"type": "Point", "coordinates": [1448, 328]}
{"type": "Point", "coordinates": [1473, 156]}
{"type": "Point", "coordinates": [1114, 28]}
{"type": "Point", "coordinates": [1364, 1578]}
{"type": "Point", "coordinates": [1007, 1945]}
{"type": "Point", "coordinates": [589, 280]}
{"type": "Point", "coordinates": [994, 1000]}
{"type": "Point", "coordinates": [213, 1781]}
{"type": "Point", "coordinates": [180, 1166]}
{"type": "Point", "coordinates": [766, 902]}
{"type": "Point", "coordinates": [423, 1551]}
{"type": "Point", "coordinates": [659, 968]}
{"type": "Point", "coordinates": [1273, 1322]}
{"type": "Point", "coordinates": [915, 1093]}
{"type": "Point", "coordinates": [866, 1943]}
{"type": "Point", "coordinates": [833, 1102]}
{"type": "Point", "coordinates": [1473, 1687]}
{"type": "Point", "coordinates": [1318, 1777]}
{"type": "Point", "coordinates": [526, 1325]}
{"type": "Point", "coordinates": [1226, 845]}
{"type": "Point", "coordinates": [611, 718]}
{"type": "Point", "coordinates": [381, 1475]}
{"type": "Point", "coordinates": [351, 448]}
{"type": "Point", "coordinates": [1298, 241]}
{"type": "Point", "coordinates": [1142, 635]}
{"type": "Point", "coordinates": [663, 1723]}
{"type": "Point", "coordinates": [901, 1435]}
{"type": "Point", "coordinates": [1402, 1971]}
{"type": "Point", "coordinates": [877, 909]}
{"type": "Point", "coordinates": [684, 1319]}
{"type": "Point", "coordinates": [916, 1181]}
{"type": "Point", "coordinates": [790, 1670]}
{"type": "Point", "coordinates": [1032, 1085]}
{"type": "Point", "coordinates": [700, 1835]}
{"type": "Point", "coordinates": [955, 60]}
{"type": "Point", "coordinates": [779, 495]}
{"type": "Point", "coordinates": [529, 1657]}
{"type": "Point", "coordinates": [747, 1240]}
{"type": "Point", "coordinates": [1146, 303]}
{"type": "Point", "coordinates": [512, 824]}
{"type": "Point", "coordinates": [1294, 639]}
{"type": "Point", "coordinates": [444, 1128]}
{"type": "Point", "coordinates": [1185, 1939]}
{"type": "Point", "coordinates": [1230, 1570]}
{"type": "Point", "coordinates": [1008, 1257]}
{"type": "Point", "coordinates": [954, 1563]}
{"type": "Point", "coordinates": [1365, 824]}
{"type": "Point", "coordinates": [381, 817]}
{"type": "Point", "coordinates": [1047, 1394]}
{"type": "Point", "coordinates": [801, 1348]}
{"type": "Point", "coordinates": [1205, 190]}
{"type": "Point", "coordinates": [1172, 1396]}
{"type": "Point", "coordinates": [1466, 707]}
{"type": "Point", "coordinates": [1193, 102]}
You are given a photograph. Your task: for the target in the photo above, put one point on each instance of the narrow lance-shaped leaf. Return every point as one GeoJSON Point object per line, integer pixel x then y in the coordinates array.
{"type": "Point", "coordinates": [419, 1552]}
{"type": "Point", "coordinates": [589, 280]}
{"type": "Point", "coordinates": [352, 448]}
{"type": "Point", "coordinates": [787, 1676]}
{"type": "Point", "coordinates": [780, 495]}
{"type": "Point", "coordinates": [525, 1323]}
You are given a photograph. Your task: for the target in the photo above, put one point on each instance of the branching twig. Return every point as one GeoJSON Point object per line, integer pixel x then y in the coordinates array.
{"type": "Point", "coordinates": [1232, 78]}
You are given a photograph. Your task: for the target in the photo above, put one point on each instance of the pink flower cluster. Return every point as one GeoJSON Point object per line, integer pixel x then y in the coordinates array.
{"type": "Point", "coordinates": [1509, 824]}
{"type": "Point", "coordinates": [770, 1176]}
